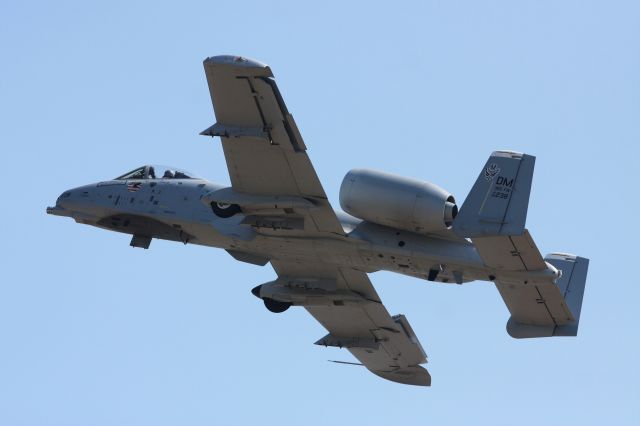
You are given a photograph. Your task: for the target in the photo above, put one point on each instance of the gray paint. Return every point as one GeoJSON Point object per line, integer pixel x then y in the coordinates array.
{"type": "Point", "coordinates": [397, 201]}
{"type": "Point", "coordinates": [322, 257]}
{"type": "Point", "coordinates": [498, 202]}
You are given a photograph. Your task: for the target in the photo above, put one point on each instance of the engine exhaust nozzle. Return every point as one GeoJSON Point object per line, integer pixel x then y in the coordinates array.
{"type": "Point", "coordinates": [450, 212]}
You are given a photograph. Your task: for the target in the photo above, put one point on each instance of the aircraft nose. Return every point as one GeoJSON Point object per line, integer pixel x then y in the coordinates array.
{"type": "Point", "coordinates": [63, 199]}
{"type": "Point", "coordinates": [72, 200]}
{"type": "Point", "coordinates": [62, 205]}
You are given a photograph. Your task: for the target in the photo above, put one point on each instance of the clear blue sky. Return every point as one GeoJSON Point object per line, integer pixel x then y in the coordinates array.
{"type": "Point", "coordinates": [94, 332]}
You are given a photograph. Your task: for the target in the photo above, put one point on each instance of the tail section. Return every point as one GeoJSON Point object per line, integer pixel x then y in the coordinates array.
{"type": "Point", "coordinates": [559, 305]}
{"type": "Point", "coordinates": [542, 303]}
{"type": "Point", "coordinates": [495, 211]}
{"type": "Point", "coordinates": [498, 201]}
{"type": "Point", "coordinates": [571, 284]}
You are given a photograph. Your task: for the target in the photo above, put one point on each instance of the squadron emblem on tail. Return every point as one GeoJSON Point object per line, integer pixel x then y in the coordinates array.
{"type": "Point", "coordinates": [491, 171]}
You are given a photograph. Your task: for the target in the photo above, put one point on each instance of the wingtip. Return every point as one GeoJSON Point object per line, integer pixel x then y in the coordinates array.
{"type": "Point", "coordinates": [412, 375]}
{"type": "Point", "coordinates": [237, 62]}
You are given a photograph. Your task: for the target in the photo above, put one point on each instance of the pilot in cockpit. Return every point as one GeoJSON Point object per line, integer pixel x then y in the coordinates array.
{"type": "Point", "coordinates": [156, 172]}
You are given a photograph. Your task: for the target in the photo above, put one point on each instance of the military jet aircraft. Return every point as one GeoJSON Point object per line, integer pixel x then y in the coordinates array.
{"type": "Point", "coordinates": [277, 211]}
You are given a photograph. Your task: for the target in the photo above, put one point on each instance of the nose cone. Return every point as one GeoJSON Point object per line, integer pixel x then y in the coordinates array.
{"type": "Point", "coordinates": [62, 204]}
{"type": "Point", "coordinates": [63, 199]}
{"type": "Point", "coordinates": [74, 201]}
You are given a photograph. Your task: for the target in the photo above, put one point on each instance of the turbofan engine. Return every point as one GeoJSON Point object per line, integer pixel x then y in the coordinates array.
{"type": "Point", "coordinates": [397, 201]}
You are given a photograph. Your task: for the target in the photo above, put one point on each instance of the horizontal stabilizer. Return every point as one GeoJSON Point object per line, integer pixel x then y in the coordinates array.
{"type": "Point", "coordinates": [498, 201]}
{"type": "Point", "coordinates": [546, 310]}
{"type": "Point", "coordinates": [510, 253]}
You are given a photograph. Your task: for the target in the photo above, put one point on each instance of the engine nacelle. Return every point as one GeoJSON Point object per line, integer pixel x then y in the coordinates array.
{"type": "Point", "coordinates": [397, 201]}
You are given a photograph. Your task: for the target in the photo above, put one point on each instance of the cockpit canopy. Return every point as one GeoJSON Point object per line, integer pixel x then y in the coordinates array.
{"type": "Point", "coordinates": [156, 171]}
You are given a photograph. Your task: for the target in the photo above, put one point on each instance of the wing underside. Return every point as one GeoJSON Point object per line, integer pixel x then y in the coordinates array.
{"type": "Point", "coordinates": [263, 148]}
{"type": "Point", "coordinates": [384, 344]}
{"type": "Point", "coordinates": [267, 160]}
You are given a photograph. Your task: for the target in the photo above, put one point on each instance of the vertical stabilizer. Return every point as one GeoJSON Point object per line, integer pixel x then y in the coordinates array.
{"type": "Point", "coordinates": [498, 202]}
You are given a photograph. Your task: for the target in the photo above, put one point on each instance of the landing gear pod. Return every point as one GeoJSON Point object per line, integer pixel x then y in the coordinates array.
{"type": "Point", "coordinates": [272, 305]}
{"type": "Point", "coordinates": [224, 210]}
{"type": "Point", "coordinates": [276, 306]}
{"type": "Point", "coordinates": [396, 201]}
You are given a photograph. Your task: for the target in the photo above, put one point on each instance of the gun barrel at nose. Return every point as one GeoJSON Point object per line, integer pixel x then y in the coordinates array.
{"type": "Point", "coordinates": [58, 211]}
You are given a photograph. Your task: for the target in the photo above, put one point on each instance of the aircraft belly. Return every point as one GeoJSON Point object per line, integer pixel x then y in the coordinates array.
{"type": "Point", "coordinates": [175, 213]}
{"type": "Point", "coordinates": [377, 249]}
{"type": "Point", "coordinates": [459, 263]}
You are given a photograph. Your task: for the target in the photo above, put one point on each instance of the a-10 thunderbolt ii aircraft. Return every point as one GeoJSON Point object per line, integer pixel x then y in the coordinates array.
{"type": "Point", "coordinates": [276, 211]}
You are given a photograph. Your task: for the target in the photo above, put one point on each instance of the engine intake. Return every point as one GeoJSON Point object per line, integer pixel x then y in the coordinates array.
{"type": "Point", "coordinates": [397, 201]}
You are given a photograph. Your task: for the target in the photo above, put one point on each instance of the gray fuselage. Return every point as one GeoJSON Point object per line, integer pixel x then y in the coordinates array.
{"type": "Point", "coordinates": [172, 209]}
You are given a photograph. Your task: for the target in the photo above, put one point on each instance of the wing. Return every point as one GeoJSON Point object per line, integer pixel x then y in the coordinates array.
{"type": "Point", "coordinates": [349, 308]}
{"type": "Point", "coordinates": [263, 148]}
